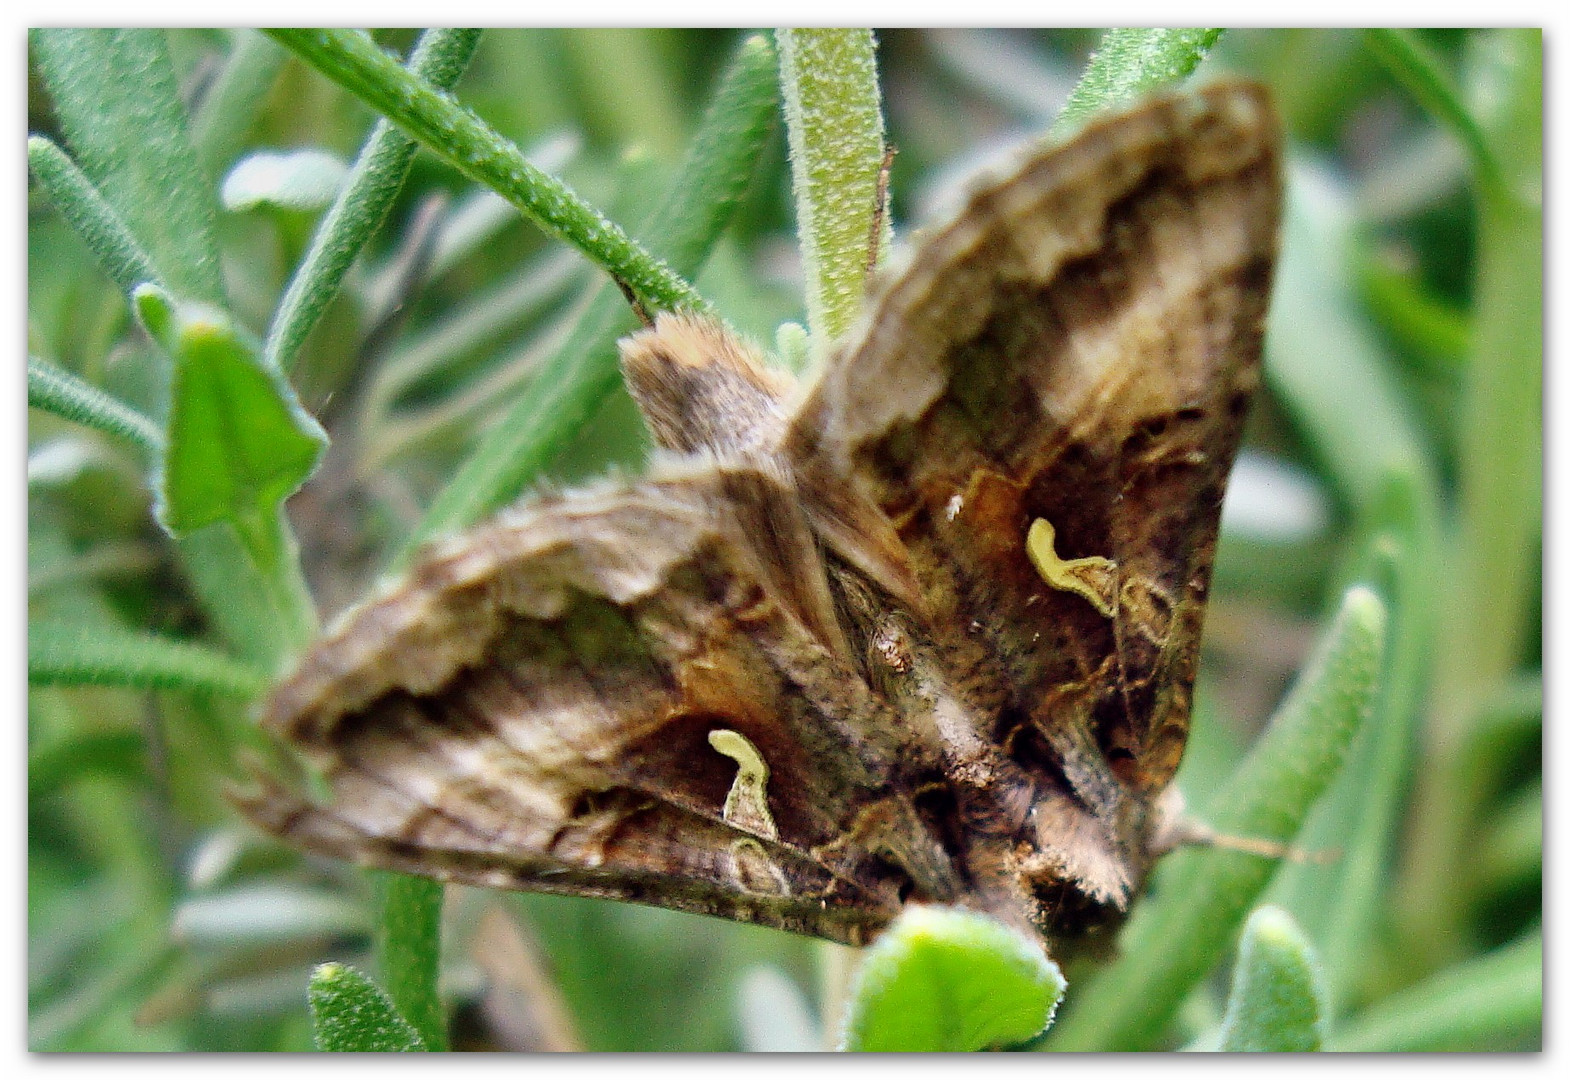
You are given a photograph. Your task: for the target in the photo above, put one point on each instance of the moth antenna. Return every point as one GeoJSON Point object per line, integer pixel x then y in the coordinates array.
{"type": "Point", "coordinates": [633, 302]}
{"type": "Point", "coordinates": [880, 208]}
{"type": "Point", "coordinates": [1189, 832]}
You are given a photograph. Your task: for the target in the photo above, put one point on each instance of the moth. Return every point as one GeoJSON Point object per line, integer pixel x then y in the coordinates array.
{"type": "Point", "coordinates": [922, 629]}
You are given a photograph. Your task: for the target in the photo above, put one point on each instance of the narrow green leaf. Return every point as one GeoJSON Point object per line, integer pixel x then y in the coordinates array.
{"type": "Point", "coordinates": [943, 979]}
{"type": "Point", "coordinates": [95, 221]}
{"type": "Point", "coordinates": [1278, 999]}
{"type": "Point", "coordinates": [230, 105]}
{"type": "Point", "coordinates": [573, 385]}
{"type": "Point", "coordinates": [350, 1014]}
{"type": "Point", "coordinates": [1494, 1002]}
{"type": "Point", "coordinates": [1436, 332]}
{"type": "Point", "coordinates": [472, 147]}
{"type": "Point", "coordinates": [118, 102]}
{"type": "Point", "coordinates": [1416, 67]}
{"type": "Point", "coordinates": [378, 174]}
{"type": "Point", "coordinates": [121, 754]}
{"type": "Point", "coordinates": [1492, 584]}
{"type": "Point", "coordinates": [834, 118]}
{"type": "Point", "coordinates": [56, 390]}
{"type": "Point", "coordinates": [1176, 937]}
{"type": "Point", "coordinates": [1130, 63]}
{"type": "Point", "coordinates": [1358, 423]}
{"type": "Point", "coordinates": [408, 950]}
{"type": "Point", "coordinates": [69, 655]}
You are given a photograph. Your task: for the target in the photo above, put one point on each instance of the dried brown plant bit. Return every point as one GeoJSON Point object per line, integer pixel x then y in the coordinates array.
{"type": "Point", "coordinates": [924, 630]}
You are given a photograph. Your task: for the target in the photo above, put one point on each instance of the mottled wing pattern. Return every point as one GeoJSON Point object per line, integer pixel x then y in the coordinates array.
{"type": "Point", "coordinates": [537, 707]}
{"type": "Point", "coordinates": [1077, 347]}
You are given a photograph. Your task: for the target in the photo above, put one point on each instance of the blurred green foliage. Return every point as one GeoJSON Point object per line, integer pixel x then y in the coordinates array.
{"type": "Point", "coordinates": [1402, 416]}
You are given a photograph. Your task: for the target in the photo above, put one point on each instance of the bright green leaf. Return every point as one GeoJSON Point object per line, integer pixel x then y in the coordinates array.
{"type": "Point", "coordinates": [239, 442]}
{"type": "Point", "coordinates": [350, 1014]}
{"type": "Point", "coordinates": [942, 979]}
{"type": "Point", "coordinates": [1278, 999]}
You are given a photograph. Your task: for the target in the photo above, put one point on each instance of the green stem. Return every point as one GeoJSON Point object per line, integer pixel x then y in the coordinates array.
{"type": "Point", "coordinates": [467, 143]}
{"type": "Point", "coordinates": [408, 951]}
{"type": "Point", "coordinates": [56, 390]}
{"type": "Point", "coordinates": [230, 106]}
{"type": "Point", "coordinates": [1410, 61]}
{"type": "Point", "coordinates": [118, 102]}
{"type": "Point", "coordinates": [68, 655]}
{"type": "Point", "coordinates": [1477, 1005]}
{"type": "Point", "coordinates": [440, 58]}
{"type": "Point", "coordinates": [834, 118]}
{"type": "Point", "coordinates": [1493, 567]}
{"type": "Point", "coordinates": [89, 213]}
{"type": "Point", "coordinates": [1130, 63]}
{"type": "Point", "coordinates": [576, 382]}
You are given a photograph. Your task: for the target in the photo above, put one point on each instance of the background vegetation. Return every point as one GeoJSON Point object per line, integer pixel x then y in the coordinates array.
{"type": "Point", "coordinates": [178, 183]}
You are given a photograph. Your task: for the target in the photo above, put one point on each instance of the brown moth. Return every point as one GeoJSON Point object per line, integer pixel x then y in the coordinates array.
{"type": "Point", "coordinates": [922, 630]}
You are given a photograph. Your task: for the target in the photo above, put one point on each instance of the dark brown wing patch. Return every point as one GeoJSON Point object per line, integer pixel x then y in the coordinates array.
{"type": "Point", "coordinates": [1076, 346]}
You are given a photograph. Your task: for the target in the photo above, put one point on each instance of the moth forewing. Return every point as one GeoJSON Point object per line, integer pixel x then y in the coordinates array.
{"type": "Point", "coordinates": [923, 630]}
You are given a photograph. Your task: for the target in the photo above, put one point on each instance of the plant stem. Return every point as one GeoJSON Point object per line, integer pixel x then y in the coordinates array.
{"type": "Point", "coordinates": [115, 93]}
{"type": "Point", "coordinates": [834, 118]}
{"type": "Point", "coordinates": [408, 951]}
{"type": "Point", "coordinates": [1492, 568]}
{"type": "Point", "coordinates": [1176, 936]}
{"type": "Point", "coordinates": [472, 147]}
{"type": "Point", "coordinates": [1411, 62]}
{"type": "Point", "coordinates": [229, 108]}
{"type": "Point", "coordinates": [56, 390]}
{"type": "Point", "coordinates": [86, 210]}
{"type": "Point", "coordinates": [64, 655]}
{"type": "Point", "coordinates": [577, 380]}
{"type": "Point", "coordinates": [379, 172]}
{"type": "Point", "coordinates": [1131, 62]}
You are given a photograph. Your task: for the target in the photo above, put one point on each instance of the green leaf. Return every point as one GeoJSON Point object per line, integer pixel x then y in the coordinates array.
{"type": "Point", "coordinates": [89, 213]}
{"type": "Point", "coordinates": [942, 979]}
{"type": "Point", "coordinates": [119, 105]}
{"type": "Point", "coordinates": [1357, 422]}
{"type": "Point", "coordinates": [229, 107]}
{"type": "Point", "coordinates": [58, 391]}
{"type": "Point", "coordinates": [1177, 936]}
{"type": "Point", "coordinates": [350, 1014]}
{"type": "Point", "coordinates": [1130, 63]}
{"type": "Point", "coordinates": [1494, 1002]}
{"type": "Point", "coordinates": [834, 117]}
{"type": "Point", "coordinates": [1278, 999]}
{"type": "Point", "coordinates": [373, 184]}
{"type": "Point", "coordinates": [351, 59]}
{"type": "Point", "coordinates": [684, 227]}
{"type": "Point", "coordinates": [239, 441]}
{"type": "Point", "coordinates": [408, 949]}
{"type": "Point", "coordinates": [1494, 566]}
{"type": "Point", "coordinates": [69, 655]}
{"type": "Point", "coordinates": [1417, 69]}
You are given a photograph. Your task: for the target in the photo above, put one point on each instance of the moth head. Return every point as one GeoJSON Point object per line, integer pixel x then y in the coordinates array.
{"type": "Point", "coordinates": [701, 387]}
